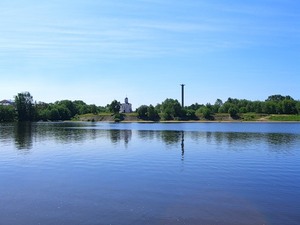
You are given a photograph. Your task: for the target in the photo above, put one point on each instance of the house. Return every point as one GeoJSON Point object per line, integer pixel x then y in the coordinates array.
{"type": "Point", "coordinates": [6, 102]}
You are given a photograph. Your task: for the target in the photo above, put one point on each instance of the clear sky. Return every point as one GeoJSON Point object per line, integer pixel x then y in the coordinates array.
{"type": "Point", "coordinates": [101, 50]}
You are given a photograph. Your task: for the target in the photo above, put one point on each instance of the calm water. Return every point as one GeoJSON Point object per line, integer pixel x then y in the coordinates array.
{"type": "Point", "coordinates": [184, 173]}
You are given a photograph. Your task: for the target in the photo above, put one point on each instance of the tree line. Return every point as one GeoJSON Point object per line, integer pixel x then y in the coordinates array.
{"type": "Point", "coordinates": [171, 109]}
{"type": "Point", "coordinates": [25, 109]}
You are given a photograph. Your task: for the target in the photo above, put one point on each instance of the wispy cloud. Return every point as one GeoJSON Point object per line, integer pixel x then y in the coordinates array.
{"type": "Point", "coordinates": [127, 35]}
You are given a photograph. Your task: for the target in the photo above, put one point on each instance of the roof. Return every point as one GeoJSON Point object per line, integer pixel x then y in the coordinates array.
{"type": "Point", "coordinates": [6, 102]}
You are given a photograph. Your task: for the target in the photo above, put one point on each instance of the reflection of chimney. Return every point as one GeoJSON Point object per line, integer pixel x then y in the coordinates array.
{"type": "Point", "coordinates": [182, 95]}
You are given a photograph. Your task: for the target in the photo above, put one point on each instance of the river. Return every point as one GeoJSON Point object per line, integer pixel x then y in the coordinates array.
{"type": "Point", "coordinates": [150, 173]}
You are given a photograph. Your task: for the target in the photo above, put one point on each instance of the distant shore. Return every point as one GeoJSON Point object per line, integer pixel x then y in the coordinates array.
{"type": "Point", "coordinates": [132, 117]}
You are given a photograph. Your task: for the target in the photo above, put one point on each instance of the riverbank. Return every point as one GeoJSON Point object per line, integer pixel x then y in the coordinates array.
{"type": "Point", "coordinates": [222, 117]}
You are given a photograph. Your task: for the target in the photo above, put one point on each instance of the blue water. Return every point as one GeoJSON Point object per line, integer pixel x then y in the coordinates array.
{"type": "Point", "coordinates": [152, 173]}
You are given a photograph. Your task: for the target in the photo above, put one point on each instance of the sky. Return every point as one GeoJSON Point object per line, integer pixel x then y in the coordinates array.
{"type": "Point", "coordinates": [100, 50]}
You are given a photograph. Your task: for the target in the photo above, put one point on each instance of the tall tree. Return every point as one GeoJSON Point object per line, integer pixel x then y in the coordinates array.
{"type": "Point", "coordinates": [142, 112]}
{"type": "Point", "coordinates": [171, 109]}
{"type": "Point", "coordinates": [114, 107]}
{"type": "Point", "coordinates": [24, 105]}
{"type": "Point", "coordinates": [152, 113]}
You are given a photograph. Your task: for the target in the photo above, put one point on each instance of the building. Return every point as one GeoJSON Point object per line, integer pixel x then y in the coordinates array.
{"type": "Point", "coordinates": [126, 107]}
{"type": "Point", "coordinates": [6, 102]}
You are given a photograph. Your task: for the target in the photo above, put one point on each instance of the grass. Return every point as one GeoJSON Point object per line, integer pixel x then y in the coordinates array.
{"type": "Point", "coordinates": [250, 116]}
{"type": "Point", "coordinates": [216, 117]}
{"type": "Point", "coordinates": [284, 118]}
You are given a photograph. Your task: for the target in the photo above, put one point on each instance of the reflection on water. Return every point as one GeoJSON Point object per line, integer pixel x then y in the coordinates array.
{"type": "Point", "coordinates": [24, 133]}
{"type": "Point", "coordinates": [182, 145]}
{"type": "Point", "coordinates": [170, 137]}
{"type": "Point", "coordinates": [80, 173]}
{"type": "Point", "coordinates": [117, 136]}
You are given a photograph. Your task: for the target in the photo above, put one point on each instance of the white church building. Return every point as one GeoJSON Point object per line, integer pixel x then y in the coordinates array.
{"type": "Point", "coordinates": [126, 107]}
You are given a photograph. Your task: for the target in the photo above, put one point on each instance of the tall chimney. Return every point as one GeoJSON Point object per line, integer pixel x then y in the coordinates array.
{"type": "Point", "coordinates": [182, 95]}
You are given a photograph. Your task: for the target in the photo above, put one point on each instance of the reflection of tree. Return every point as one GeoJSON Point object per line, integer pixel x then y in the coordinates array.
{"type": "Point", "coordinates": [244, 139]}
{"type": "Point", "coordinates": [66, 132]}
{"type": "Point", "coordinates": [6, 131]}
{"type": "Point", "coordinates": [147, 134]}
{"type": "Point", "coordinates": [240, 140]}
{"type": "Point", "coordinates": [23, 135]}
{"type": "Point", "coordinates": [280, 139]}
{"type": "Point", "coordinates": [171, 137]}
{"type": "Point", "coordinates": [117, 136]}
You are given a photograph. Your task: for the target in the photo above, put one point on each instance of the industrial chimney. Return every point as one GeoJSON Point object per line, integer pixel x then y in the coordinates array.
{"type": "Point", "coordinates": [182, 95]}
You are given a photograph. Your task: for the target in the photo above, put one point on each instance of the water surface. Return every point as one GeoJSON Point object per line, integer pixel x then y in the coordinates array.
{"type": "Point", "coordinates": [156, 173]}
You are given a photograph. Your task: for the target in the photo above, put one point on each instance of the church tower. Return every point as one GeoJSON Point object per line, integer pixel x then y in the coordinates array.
{"type": "Point", "coordinates": [126, 107]}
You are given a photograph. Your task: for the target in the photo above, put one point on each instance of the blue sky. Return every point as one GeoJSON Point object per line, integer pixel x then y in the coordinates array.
{"type": "Point", "coordinates": [98, 51]}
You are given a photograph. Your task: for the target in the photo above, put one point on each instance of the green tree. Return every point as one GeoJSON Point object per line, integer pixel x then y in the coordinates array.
{"type": "Point", "coordinates": [204, 112]}
{"type": "Point", "coordinates": [152, 113]}
{"type": "Point", "coordinates": [298, 107]}
{"type": "Point", "coordinates": [243, 110]}
{"type": "Point", "coordinates": [54, 114]}
{"type": "Point", "coordinates": [191, 114]}
{"type": "Point", "coordinates": [270, 107]}
{"type": "Point", "coordinates": [171, 109]}
{"type": "Point", "coordinates": [207, 114]}
{"type": "Point", "coordinates": [114, 107]}
{"type": "Point", "coordinates": [142, 112]}
{"type": "Point", "coordinates": [81, 107]}
{"type": "Point", "coordinates": [69, 105]}
{"type": "Point", "coordinates": [44, 114]}
{"type": "Point", "coordinates": [93, 109]}
{"type": "Point", "coordinates": [277, 98]}
{"type": "Point", "coordinates": [64, 113]}
{"type": "Point", "coordinates": [24, 105]}
{"type": "Point", "coordinates": [233, 111]}
{"type": "Point", "coordinates": [195, 106]}
{"type": "Point", "coordinates": [257, 106]}
{"type": "Point", "coordinates": [289, 106]}
{"type": "Point", "coordinates": [218, 104]}
{"type": "Point", "coordinates": [7, 113]}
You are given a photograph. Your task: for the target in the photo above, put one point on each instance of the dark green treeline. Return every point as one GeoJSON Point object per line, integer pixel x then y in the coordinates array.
{"type": "Point", "coordinates": [25, 109]}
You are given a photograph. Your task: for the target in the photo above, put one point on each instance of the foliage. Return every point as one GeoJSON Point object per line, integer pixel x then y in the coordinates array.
{"type": "Point", "coordinates": [194, 106]}
{"type": "Point", "coordinates": [25, 109]}
{"type": "Point", "coordinates": [142, 112]}
{"type": "Point", "coordinates": [288, 106]}
{"type": "Point", "coordinates": [152, 113]}
{"type": "Point", "coordinates": [171, 109]}
{"type": "Point", "coordinates": [298, 107]}
{"type": "Point", "coordinates": [7, 113]}
{"type": "Point", "coordinates": [190, 114]}
{"type": "Point", "coordinates": [204, 112]}
{"type": "Point", "coordinates": [65, 110]}
{"type": "Point", "coordinates": [284, 118]}
{"type": "Point", "coordinates": [114, 107]}
{"type": "Point", "coordinates": [218, 104]}
{"type": "Point", "coordinates": [24, 106]}
{"type": "Point", "coordinates": [147, 113]}
{"type": "Point", "coordinates": [233, 112]}
{"type": "Point", "coordinates": [118, 117]}
{"type": "Point", "coordinates": [278, 98]}
{"type": "Point", "coordinates": [249, 116]}
{"type": "Point", "coordinates": [274, 104]}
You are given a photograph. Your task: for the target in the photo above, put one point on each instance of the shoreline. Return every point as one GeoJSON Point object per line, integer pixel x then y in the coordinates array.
{"type": "Point", "coordinates": [109, 119]}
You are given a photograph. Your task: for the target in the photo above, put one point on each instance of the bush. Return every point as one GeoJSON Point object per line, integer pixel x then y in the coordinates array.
{"type": "Point", "coordinates": [118, 117]}
{"type": "Point", "coordinates": [249, 116]}
{"type": "Point", "coordinates": [233, 111]}
{"type": "Point", "coordinates": [142, 112]}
